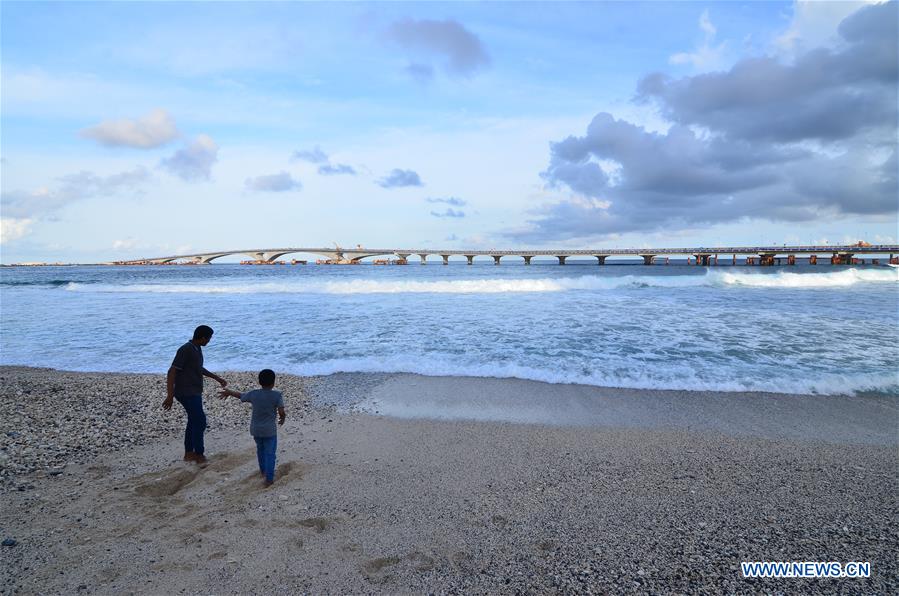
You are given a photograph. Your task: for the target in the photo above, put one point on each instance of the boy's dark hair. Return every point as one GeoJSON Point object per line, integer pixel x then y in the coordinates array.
{"type": "Point", "coordinates": [267, 377]}
{"type": "Point", "coordinates": [203, 331]}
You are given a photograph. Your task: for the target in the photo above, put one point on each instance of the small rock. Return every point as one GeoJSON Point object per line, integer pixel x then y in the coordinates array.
{"type": "Point", "coordinates": [9, 542]}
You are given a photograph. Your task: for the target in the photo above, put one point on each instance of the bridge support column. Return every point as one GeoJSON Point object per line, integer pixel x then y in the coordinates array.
{"type": "Point", "coordinates": [702, 260]}
{"type": "Point", "coordinates": [527, 259]}
{"type": "Point", "coordinates": [496, 259]}
{"type": "Point", "coordinates": [470, 259]}
{"type": "Point", "coordinates": [403, 257]}
{"type": "Point", "coordinates": [424, 259]}
{"type": "Point", "coordinates": [791, 259]}
{"type": "Point", "coordinates": [561, 259]}
{"type": "Point", "coordinates": [647, 259]}
{"type": "Point", "coordinates": [813, 259]}
{"type": "Point", "coordinates": [600, 259]}
{"type": "Point", "coordinates": [445, 259]}
{"type": "Point", "coordinates": [735, 259]}
{"type": "Point", "coordinates": [766, 260]}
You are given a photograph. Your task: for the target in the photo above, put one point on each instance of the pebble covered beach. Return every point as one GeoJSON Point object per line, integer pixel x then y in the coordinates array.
{"type": "Point", "coordinates": [97, 500]}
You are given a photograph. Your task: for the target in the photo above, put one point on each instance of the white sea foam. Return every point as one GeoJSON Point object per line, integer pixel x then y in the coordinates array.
{"type": "Point", "coordinates": [712, 278]}
{"type": "Point", "coordinates": [671, 377]}
{"type": "Point", "coordinates": [830, 279]}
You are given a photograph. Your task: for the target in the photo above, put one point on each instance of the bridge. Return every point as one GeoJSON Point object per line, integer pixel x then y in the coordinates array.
{"type": "Point", "coordinates": [764, 255]}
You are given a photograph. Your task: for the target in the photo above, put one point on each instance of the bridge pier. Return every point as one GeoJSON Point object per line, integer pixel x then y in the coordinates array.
{"type": "Point", "coordinates": [470, 259]}
{"type": "Point", "coordinates": [496, 259]}
{"type": "Point", "coordinates": [766, 260]}
{"type": "Point", "coordinates": [527, 259]}
{"type": "Point", "coordinates": [600, 259]}
{"type": "Point", "coordinates": [813, 260]}
{"type": "Point", "coordinates": [701, 260]}
{"type": "Point", "coordinates": [647, 259]}
{"type": "Point", "coordinates": [424, 259]}
{"type": "Point", "coordinates": [561, 259]}
{"type": "Point", "coordinates": [445, 259]}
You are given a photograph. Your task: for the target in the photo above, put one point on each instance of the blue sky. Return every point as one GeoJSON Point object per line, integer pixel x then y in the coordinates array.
{"type": "Point", "coordinates": [144, 129]}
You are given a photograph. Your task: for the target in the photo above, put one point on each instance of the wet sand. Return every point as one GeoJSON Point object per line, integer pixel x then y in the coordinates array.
{"type": "Point", "coordinates": [604, 491]}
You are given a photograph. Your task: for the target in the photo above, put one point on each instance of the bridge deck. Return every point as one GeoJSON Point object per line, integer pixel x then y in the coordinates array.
{"type": "Point", "coordinates": [269, 254]}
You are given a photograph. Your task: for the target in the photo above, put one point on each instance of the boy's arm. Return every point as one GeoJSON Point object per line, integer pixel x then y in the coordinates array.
{"type": "Point", "coordinates": [226, 392]}
{"type": "Point", "coordinates": [281, 414]}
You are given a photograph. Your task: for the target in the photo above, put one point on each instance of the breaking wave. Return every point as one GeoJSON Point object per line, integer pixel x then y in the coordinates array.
{"type": "Point", "coordinates": [712, 278]}
{"type": "Point", "coordinates": [664, 378]}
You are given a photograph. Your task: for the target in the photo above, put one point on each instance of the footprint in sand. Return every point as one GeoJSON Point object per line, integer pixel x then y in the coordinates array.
{"type": "Point", "coordinates": [374, 569]}
{"type": "Point", "coordinates": [166, 484]}
{"type": "Point", "coordinates": [319, 524]}
{"type": "Point", "coordinates": [420, 561]}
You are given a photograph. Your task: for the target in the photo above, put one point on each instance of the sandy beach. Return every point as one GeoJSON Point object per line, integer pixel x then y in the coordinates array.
{"type": "Point", "coordinates": [412, 484]}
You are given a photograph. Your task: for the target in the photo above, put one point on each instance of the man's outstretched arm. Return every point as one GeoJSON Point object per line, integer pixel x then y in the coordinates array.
{"type": "Point", "coordinates": [212, 375]}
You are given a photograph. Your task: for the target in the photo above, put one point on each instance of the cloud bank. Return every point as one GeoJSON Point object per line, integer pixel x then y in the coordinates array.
{"type": "Point", "coordinates": [461, 51]}
{"type": "Point", "coordinates": [193, 162]}
{"type": "Point", "coordinates": [153, 130]}
{"type": "Point", "coordinates": [450, 212]}
{"type": "Point", "coordinates": [280, 182]}
{"type": "Point", "coordinates": [399, 178]}
{"type": "Point", "coordinates": [336, 170]}
{"type": "Point", "coordinates": [21, 209]}
{"type": "Point", "coordinates": [315, 155]}
{"type": "Point", "coordinates": [786, 142]}
{"type": "Point", "coordinates": [454, 201]}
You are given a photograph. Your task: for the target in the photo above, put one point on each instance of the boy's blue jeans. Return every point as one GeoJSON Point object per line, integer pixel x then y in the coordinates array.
{"type": "Point", "coordinates": [265, 453]}
{"type": "Point", "coordinates": [196, 423]}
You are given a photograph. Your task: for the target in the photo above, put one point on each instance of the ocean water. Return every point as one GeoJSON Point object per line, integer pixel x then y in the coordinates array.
{"type": "Point", "coordinates": [802, 329]}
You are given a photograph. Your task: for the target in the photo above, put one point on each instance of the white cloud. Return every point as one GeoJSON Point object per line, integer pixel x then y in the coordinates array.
{"type": "Point", "coordinates": [13, 228]}
{"type": "Point", "coordinates": [154, 129]}
{"type": "Point", "coordinates": [127, 244]}
{"type": "Point", "coordinates": [463, 51]}
{"type": "Point", "coordinates": [194, 161]}
{"type": "Point", "coordinates": [72, 187]}
{"type": "Point", "coordinates": [815, 23]}
{"type": "Point", "coordinates": [279, 182]}
{"type": "Point", "coordinates": [398, 178]}
{"type": "Point", "coordinates": [706, 56]}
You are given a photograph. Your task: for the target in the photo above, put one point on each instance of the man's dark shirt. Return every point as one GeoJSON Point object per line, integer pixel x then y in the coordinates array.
{"type": "Point", "coordinates": [188, 364]}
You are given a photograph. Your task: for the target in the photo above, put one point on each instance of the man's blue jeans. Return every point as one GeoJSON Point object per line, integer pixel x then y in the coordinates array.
{"type": "Point", "coordinates": [196, 423]}
{"type": "Point", "coordinates": [265, 453]}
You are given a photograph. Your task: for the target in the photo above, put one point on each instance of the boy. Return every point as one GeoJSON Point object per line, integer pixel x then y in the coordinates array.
{"type": "Point", "coordinates": [265, 402]}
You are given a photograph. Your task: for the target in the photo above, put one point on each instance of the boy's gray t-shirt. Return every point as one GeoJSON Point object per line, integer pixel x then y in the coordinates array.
{"type": "Point", "coordinates": [265, 408]}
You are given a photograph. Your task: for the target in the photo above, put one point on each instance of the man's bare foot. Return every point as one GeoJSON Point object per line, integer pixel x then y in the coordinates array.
{"type": "Point", "coordinates": [189, 456]}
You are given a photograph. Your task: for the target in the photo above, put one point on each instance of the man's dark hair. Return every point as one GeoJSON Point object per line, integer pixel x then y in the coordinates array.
{"type": "Point", "coordinates": [203, 331]}
{"type": "Point", "coordinates": [266, 377]}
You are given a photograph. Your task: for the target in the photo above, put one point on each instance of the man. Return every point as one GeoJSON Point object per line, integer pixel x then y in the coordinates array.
{"type": "Point", "coordinates": [184, 382]}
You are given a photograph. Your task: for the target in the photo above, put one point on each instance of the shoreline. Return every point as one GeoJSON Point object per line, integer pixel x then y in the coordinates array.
{"type": "Point", "coordinates": [643, 498]}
